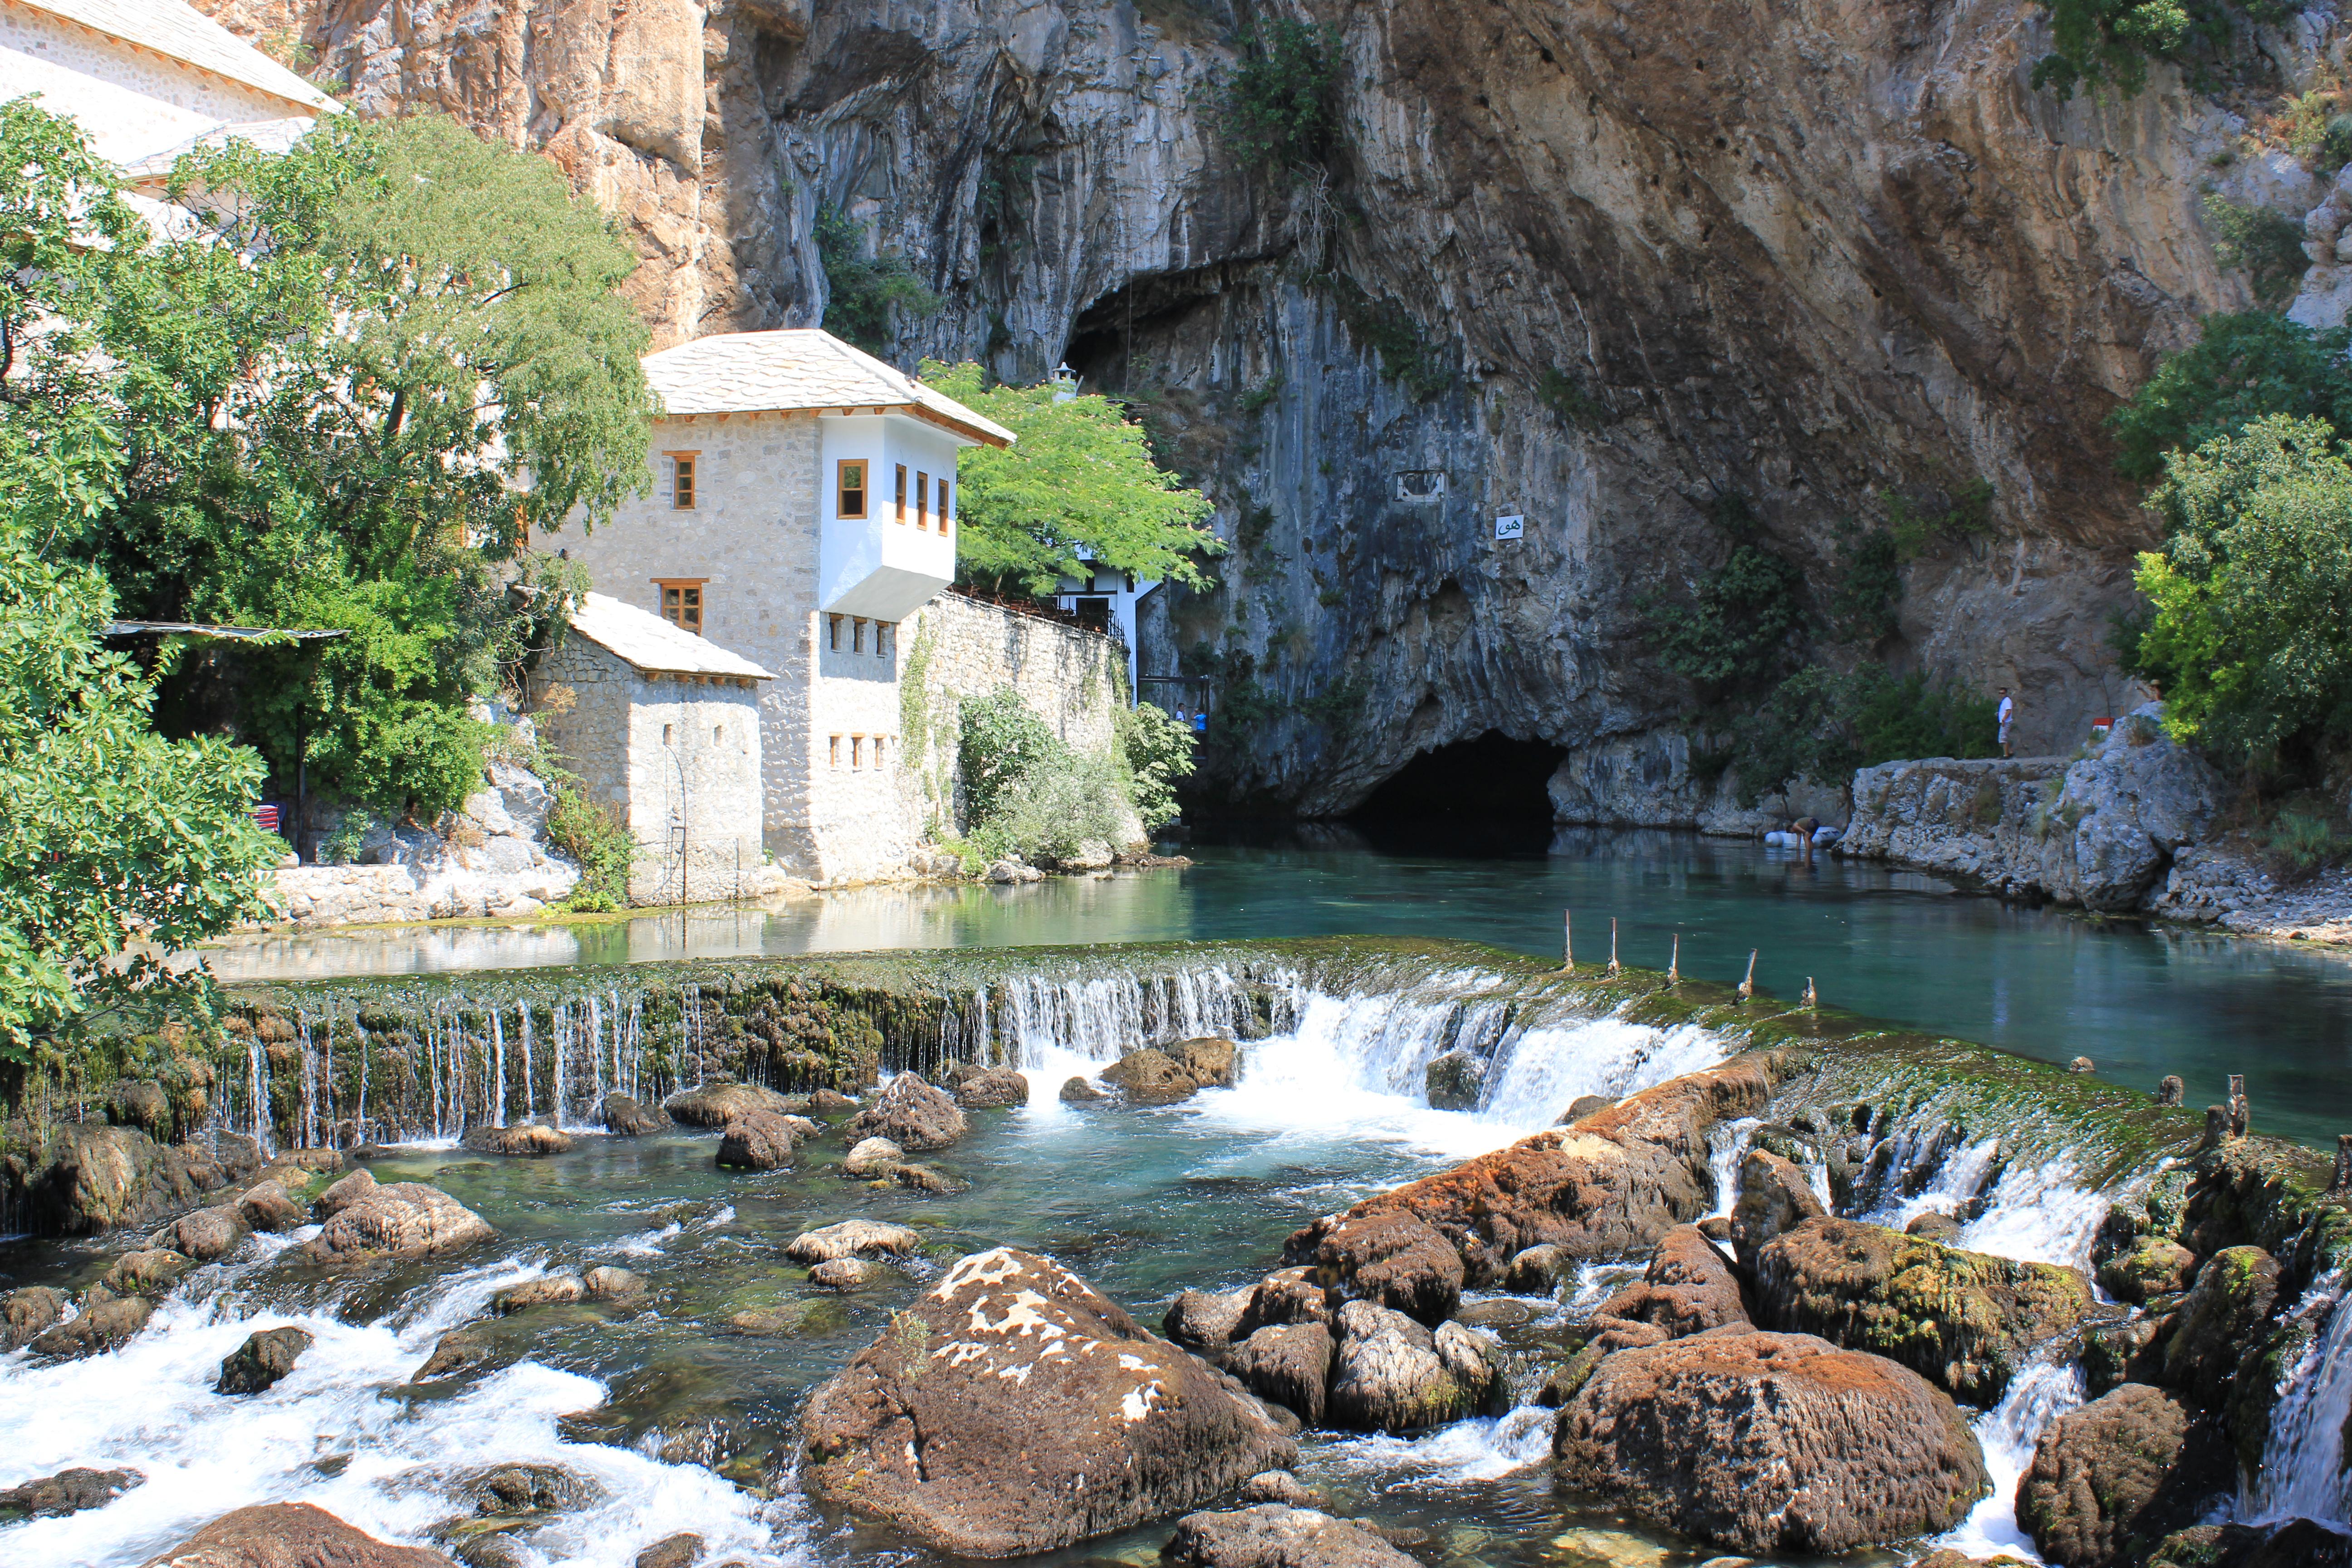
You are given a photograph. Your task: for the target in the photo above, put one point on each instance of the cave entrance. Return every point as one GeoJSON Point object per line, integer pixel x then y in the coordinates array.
{"type": "Point", "coordinates": [1492, 790]}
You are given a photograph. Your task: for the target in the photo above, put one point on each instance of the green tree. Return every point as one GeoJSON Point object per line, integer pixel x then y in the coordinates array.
{"type": "Point", "coordinates": [1156, 751]}
{"type": "Point", "coordinates": [2245, 366]}
{"type": "Point", "coordinates": [2113, 43]}
{"type": "Point", "coordinates": [864, 296]}
{"type": "Point", "coordinates": [1743, 622]}
{"type": "Point", "coordinates": [1281, 104]}
{"type": "Point", "coordinates": [114, 835]}
{"type": "Point", "coordinates": [1080, 476]}
{"type": "Point", "coordinates": [2249, 638]}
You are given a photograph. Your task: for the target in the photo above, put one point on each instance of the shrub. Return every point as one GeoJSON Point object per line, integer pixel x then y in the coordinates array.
{"type": "Point", "coordinates": [2245, 365]}
{"type": "Point", "coordinates": [2302, 844]}
{"type": "Point", "coordinates": [863, 296]}
{"type": "Point", "coordinates": [2266, 246]}
{"type": "Point", "coordinates": [2113, 42]}
{"type": "Point", "coordinates": [1156, 751]}
{"type": "Point", "coordinates": [593, 835]}
{"type": "Point", "coordinates": [999, 742]}
{"type": "Point", "coordinates": [1052, 809]}
{"type": "Point", "coordinates": [1281, 105]}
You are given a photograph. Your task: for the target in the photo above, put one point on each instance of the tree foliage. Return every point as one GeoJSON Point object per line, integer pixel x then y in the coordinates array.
{"type": "Point", "coordinates": [1738, 630]}
{"type": "Point", "coordinates": [1281, 104]}
{"type": "Point", "coordinates": [2244, 367]}
{"type": "Point", "coordinates": [1156, 751]}
{"type": "Point", "coordinates": [2112, 43]}
{"type": "Point", "coordinates": [864, 295]}
{"type": "Point", "coordinates": [1081, 476]}
{"type": "Point", "coordinates": [2249, 638]}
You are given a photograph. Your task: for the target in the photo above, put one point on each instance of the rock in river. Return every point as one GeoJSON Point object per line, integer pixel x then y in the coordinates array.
{"type": "Point", "coordinates": [716, 1104]}
{"type": "Point", "coordinates": [1289, 1363]}
{"type": "Point", "coordinates": [1774, 1198]}
{"type": "Point", "coordinates": [2113, 1478]}
{"type": "Point", "coordinates": [67, 1491]}
{"type": "Point", "coordinates": [1012, 1409]}
{"type": "Point", "coordinates": [1688, 1289]}
{"type": "Point", "coordinates": [524, 1138]}
{"type": "Point", "coordinates": [1389, 1258]}
{"type": "Point", "coordinates": [106, 1322]}
{"type": "Point", "coordinates": [1273, 1535]}
{"type": "Point", "coordinates": [28, 1313]}
{"type": "Point", "coordinates": [2219, 1319]}
{"type": "Point", "coordinates": [1078, 1091]}
{"type": "Point", "coordinates": [873, 1157]}
{"type": "Point", "coordinates": [1150, 1076]}
{"type": "Point", "coordinates": [265, 1356]}
{"type": "Point", "coordinates": [756, 1141]}
{"type": "Point", "coordinates": [1392, 1374]}
{"type": "Point", "coordinates": [1207, 1061]}
{"type": "Point", "coordinates": [849, 1236]}
{"type": "Point", "coordinates": [992, 1087]}
{"type": "Point", "coordinates": [1771, 1443]}
{"type": "Point", "coordinates": [625, 1116]}
{"type": "Point", "coordinates": [397, 1219]}
{"type": "Point", "coordinates": [1454, 1081]}
{"type": "Point", "coordinates": [291, 1535]}
{"type": "Point", "coordinates": [911, 1114]}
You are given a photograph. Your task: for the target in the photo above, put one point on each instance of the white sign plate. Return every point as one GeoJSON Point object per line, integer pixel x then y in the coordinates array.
{"type": "Point", "coordinates": [1510, 527]}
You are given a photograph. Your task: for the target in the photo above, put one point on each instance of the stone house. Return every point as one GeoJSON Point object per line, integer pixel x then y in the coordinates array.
{"type": "Point", "coordinates": [663, 727]}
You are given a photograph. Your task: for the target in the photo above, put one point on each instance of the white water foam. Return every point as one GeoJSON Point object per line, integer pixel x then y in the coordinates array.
{"type": "Point", "coordinates": [1957, 1183]}
{"type": "Point", "coordinates": [151, 1406]}
{"type": "Point", "coordinates": [2040, 1395]}
{"type": "Point", "coordinates": [1726, 1146]}
{"type": "Point", "coordinates": [2039, 1214]}
{"type": "Point", "coordinates": [2303, 1474]}
{"type": "Point", "coordinates": [1483, 1449]}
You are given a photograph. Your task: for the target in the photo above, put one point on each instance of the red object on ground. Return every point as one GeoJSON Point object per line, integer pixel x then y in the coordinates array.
{"type": "Point", "coordinates": [266, 816]}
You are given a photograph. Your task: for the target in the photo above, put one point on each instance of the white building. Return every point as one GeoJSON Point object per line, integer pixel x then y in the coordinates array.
{"type": "Point", "coordinates": [804, 512]}
{"type": "Point", "coordinates": [149, 77]}
{"type": "Point", "coordinates": [1107, 601]}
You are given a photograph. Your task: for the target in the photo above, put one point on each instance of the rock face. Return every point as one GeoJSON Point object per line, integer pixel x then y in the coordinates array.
{"type": "Point", "coordinates": [911, 1114]}
{"type": "Point", "coordinates": [2108, 1481]}
{"type": "Point", "coordinates": [1150, 1076]}
{"type": "Point", "coordinates": [1274, 1535]}
{"type": "Point", "coordinates": [1392, 1374]}
{"type": "Point", "coordinates": [291, 1535]}
{"type": "Point", "coordinates": [1611, 1185]}
{"type": "Point", "coordinates": [1967, 1322]}
{"type": "Point", "coordinates": [756, 1141]}
{"type": "Point", "coordinates": [524, 1138]}
{"type": "Point", "coordinates": [970, 1422]}
{"type": "Point", "coordinates": [2100, 832]}
{"type": "Point", "coordinates": [716, 1105]}
{"type": "Point", "coordinates": [1767, 1443]}
{"type": "Point", "coordinates": [266, 1356]}
{"type": "Point", "coordinates": [399, 1219]}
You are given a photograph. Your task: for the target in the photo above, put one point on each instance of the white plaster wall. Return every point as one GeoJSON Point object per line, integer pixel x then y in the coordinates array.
{"type": "Point", "coordinates": [131, 103]}
{"type": "Point", "coordinates": [881, 566]}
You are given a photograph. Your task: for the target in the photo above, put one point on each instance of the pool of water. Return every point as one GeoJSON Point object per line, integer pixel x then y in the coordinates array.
{"type": "Point", "coordinates": [2141, 999]}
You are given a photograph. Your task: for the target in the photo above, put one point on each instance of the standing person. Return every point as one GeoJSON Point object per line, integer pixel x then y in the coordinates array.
{"type": "Point", "coordinates": [2007, 714]}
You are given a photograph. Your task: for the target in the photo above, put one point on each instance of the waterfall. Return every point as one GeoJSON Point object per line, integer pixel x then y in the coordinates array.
{"type": "Point", "coordinates": [498, 1094]}
{"type": "Point", "coordinates": [1727, 1147]}
{"type": "Point", "coordinates": [359, 1117]}
{"type": "Point", "coordinates": [2303, 1474]}
{"type": "Point", "coordinates": [561, 1028]}
{"type": "Point", "coordinates": [257, 1058]}
{"type": "Point", "coordinates": [529, 1108]}
{"type": "Point", "coordinates": [2039, 1393]}
{"type": "Point", "coordinates": [596, 1043]}
{"type": "Point", "coordinates": [309, 1136]}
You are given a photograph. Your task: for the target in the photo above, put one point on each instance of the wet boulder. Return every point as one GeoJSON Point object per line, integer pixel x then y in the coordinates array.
{"type": "Point", "coordinates": [1534, 1271]}
{"type": "Point", "coordinates": [848, 1237]}
{"type": "Point", "coordinates": [2112, 1478]}
{"type": "Point", "coordinates": [624, 1115]}
{"type": "Point", "coordinates": [461, 1350]}
{"type": "Point", "coordinates": [546, 1291]}
{"type": "Point", "coordinates": [1389, 1256]}
{"type": "Point", "coordinates": [756, 1141]}
{"type": "Point", "coordinates": [2220, 1321]}
{"type": "Point", "coordinates": [716, 1104]}
{"type": "Point", "coordinates": [204, 1235]}
{"type": "Point", "coordinates": [28, 1313]}
{"type": "Point", "coordinates": [67, 1491]}
{"type": "Point", "coordinates": [514, 1491]}
{"type": "Point", "coordinates": [609, 1283]}
{"type": "Point", "coordinates": [1207, 1061]}
{"type": "Point", "coordinates": [1275, 1535]}
{"type": "Point", "coordinates": [288, 1534]}
{"type": "Point", "coordinates": [106, 1322]}
{"type": "Point", "coordinates": [911, 1114]}
{"type": "Point", "coordinates": [1013, 1409]}
{"type": "Point", "coordinates": [844, 1274]}
{"type": "Point", "coordinates": [1967, 1322]}
{"type": "Point", "coordinates": [368, 1219]}
{"type": "Point", "coordinates": [2298, 1543]}
{"type": "Point", "coordinates": [683, 1549]}
{"type": "Point", "coordinates": [1286, 1295]}
{"type": "Point", "coordinates": [1585, 1105]}
{"type": "Point", "coordinates": [1204, 1321]}
{"type": "Point", "coordinates": [2130, 1350]}
{"type": "Point", "coordinates": [1766, 1443]}
{"type": "Point", "coordinates": [1687, 1288]}
{"type": "Point", "coordinates": [1289, 1363]}
{"type": "Point", "coordinates": [524, 1138]}
{"type": "Point", "coordinates": [830, 1102]}
{"type": "Point", "coordinates": [992, 1087]}
{"type": "Point", "coordinates": [1933, 1226]}
{"type": "Point", "coordinates": [268, 1206]}
{"type": "Point", "coordinates": [1774, 1198]}
{"type": "Point", "coordinates": [1278, 1486]}
{"type": "Point", "coordinates": [873, 1157]}
{"type": "Point", "coordinates": [1150, 1076]}
{"type": "Point", "coordinates": [1392, 1375]}
{"type": "Point", "coordinates": [257, 1366]}
{"type": "Point", "coordinates": [1454, 1081]}
{"type": "Point", "coordinates": [2153, 1266]}
{"type": "Point", "coordinates": [147, 1272]}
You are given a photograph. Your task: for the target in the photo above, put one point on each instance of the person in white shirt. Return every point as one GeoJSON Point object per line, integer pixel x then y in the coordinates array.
{"type": "Point", "coordinates": [2006, 713]}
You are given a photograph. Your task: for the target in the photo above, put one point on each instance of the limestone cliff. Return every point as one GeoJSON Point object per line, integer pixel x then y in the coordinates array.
{"type": "Point", "coordinates": [1592, 264]}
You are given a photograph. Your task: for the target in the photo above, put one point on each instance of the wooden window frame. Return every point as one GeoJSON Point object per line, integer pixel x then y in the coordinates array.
{"type": "Point", "coordinates": [858, 634]}
{"type": "Point", "coordinates": [833, 751]}
{"type": "Point", "coordinates": [856, 752]}
{"type": "Point", "coordinates": [662, 588]}
{"type": "Point", "coordinates": [902, 492]}
{"type": "Point", "coordinates": [922, 500]}
{"type": "Point", "coordinates": [879, 628]}
{"type": "Point", "coordinates": [945, 507]}
{"type": "Point", "coordinates": [877, 752]}
{"type": "Point", "coordinates": [841, 489]}
{"type": "Point", "coordinates": [693, 461]}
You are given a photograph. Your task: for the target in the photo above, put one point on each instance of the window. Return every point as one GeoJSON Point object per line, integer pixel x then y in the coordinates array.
{"type": "Point", "coordinates": [669, 735]}
{"type": "Point", "coordinates": [943, 504]}
{"type": "Point", "coordinates": [877, 751]}
{"type": "Point", "coordinates": [833, 750]}
{"type": "Point", "coordinates": [718, 734]}
{"type": "Point", "coordinates": [681, 479]}
{"type": "Point", "coordinates": [852, 500]}
{"type": "Point", "coordinates": [833, 633]}
{"type": "Point", "coordinates": [857, 750]}
{"type": "Point", "coordinates": [923, 500]}
{"type": "Point", "coordinates": [681, 601]}
{"type": "Point", "coordinates": [858, 634]}
{"type": "Point", "coordinates": [885, 634]}
{"type": "Point", "coordinates": [902, 492]}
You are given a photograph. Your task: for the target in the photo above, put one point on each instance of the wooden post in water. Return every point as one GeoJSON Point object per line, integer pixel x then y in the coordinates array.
{"type": "Point", "coordinates": [1813, 997]}
{"type": "Point", "coordinates": [1613, 969]}
{"type": "Point", "coordinates": [2241, 1116]}
{"type": "Point", "coordinates": [1674, 963]}
{"type": "Point", "coordinates": [1747, 985]}
{"type": "Point", "coordinates": [1568, 942]}
{"type": "Point", "coordinates": [2343, 1182]}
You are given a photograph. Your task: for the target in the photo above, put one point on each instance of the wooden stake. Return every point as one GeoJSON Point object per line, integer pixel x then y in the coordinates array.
{"type": "Point", "coordinates": [1747, 985]}
{"type": "Point", "coordinates": [1675, 963]}
{"type": "Point", "coordinates": [2240, 1116]}
{"type": "Point", "coordinates": [1568, 942]}
{"type": "Point", "coordinates": [1613, 946]}
{"type": "Point", "coordinates": [1813, 997]}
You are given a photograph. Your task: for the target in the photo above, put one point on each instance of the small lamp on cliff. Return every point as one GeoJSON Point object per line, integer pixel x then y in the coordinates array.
{"type": "Point", "coordinates": [1674, 962]}
{"type": "Point", "coordinates": [1566, 942]}
{"type": "Point", "coordinates": [1747, 985]}
{"type": "Point", "coordinates": [1066, 382]}
{"type": "Point", "coordinates": [1614, 970]}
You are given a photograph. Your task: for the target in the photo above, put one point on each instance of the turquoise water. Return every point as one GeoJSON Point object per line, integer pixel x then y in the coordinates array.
{"type": "Point", "coordinates": [2140, 999]}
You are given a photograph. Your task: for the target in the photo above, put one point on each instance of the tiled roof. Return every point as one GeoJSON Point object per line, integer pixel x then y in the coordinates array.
{"type": "Point", "coordinates": [761, 372]}
{"type": "Point", "coordinates": [653, 645]}
{"type": "Point", "coordinates": [264, 135]}
{"type": "Point", "coordinates": [174, 28]}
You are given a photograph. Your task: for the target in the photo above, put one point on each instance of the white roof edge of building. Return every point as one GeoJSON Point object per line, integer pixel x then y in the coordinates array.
{"type": "Point", "coordinates": [178, 31]}
{"type": "Point", "coordinates": [648, 643]}
{"type": "Point", "coordinates": [797, 370]}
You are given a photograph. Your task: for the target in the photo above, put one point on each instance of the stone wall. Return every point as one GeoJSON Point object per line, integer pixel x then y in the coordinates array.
{"type": "Point", "coordinates": [134, 104]}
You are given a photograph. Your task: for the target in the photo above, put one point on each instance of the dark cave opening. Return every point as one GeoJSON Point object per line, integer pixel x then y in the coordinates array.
{"type": "Point", "coordinates": [1492, 786]}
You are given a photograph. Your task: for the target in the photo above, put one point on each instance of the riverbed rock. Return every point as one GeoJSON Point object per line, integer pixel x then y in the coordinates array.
{"type": "Point", "coordinates": [205, 1235]}
{"type": "Point", "coordinates": [911, 1114]}
{"type": "Point", "coordinates": [462, 1349]}
{"type": "Point", "coordinates": [106, 1322]}
{"type": "Point", "coordinates": [257, 1366]}
{"type": "Point", "coordinates": [1150, 1076]}
{"type": "Point", "coordinates": [268, 1206]}
{"type": "Point", "coordinates": [2155, 1266]}
{"type": "Point", "coordinates": [1208, 1061]}
{"type": "Point", "coordinates": [1289, 1363]}
{"type": "Point", "coordinates": [1774, 1198]}
{"type": "Point", "coordinates": [524, 1138]}
{"type": "Point", "coordinates": [1394, 1375]}
{"type": "Point", "coordinates": [1288, 1296]}
{"type": "Point", "coordinates": [756, 1141]}
{"type": "Point", "coordinates": [1534, 1270]}
{"type": "Point", "coordinates": [1204, 1321]}
{"type": "Point", "coordinates": [846, 1237]}
{"type": "Point", "coordinates": [291, 1535]}
{"type": "Point", "coordinates": [1610, 1185]}
{"type": "Point", "coordinates": [873, 1157]}
{"type": "Point", "coordinates": [623, 1115]}
{"type": "Point", "coordinates": [609, 1283]}
{"type": "Point", "coordinates": [683, 1549]}
{"type": "Point", "coordinates": [2108, 1480]}
{"type": "Point", "coordinates": [1967, 1322]}
{"type": "Point", "coordinates": [1769, 1442]}
{"type": "Point", "coordinates": [1390, 1256]}
{"type": "Point", "coordinates": [1687, 1288]}
{"type": "Point", "coordinates": [1932, 1225]}
{"type": "Point", "coordinates": [969, 1424]}
{"type": "Point", "coordinates": [1277, 1535]}
{"type": "Point", "coordinates": [147, 1272]}
{"type": "Point", "coordinates": [1078, 1091]}
{"type": "Point", "coordinates": [546, 1291]}
{"type": "Point", "coordinates": [1454, 1081]}
{"type": "Point", "coordinates": [27, 1314]}
{"type": "Point", "coordinates": [1278, 1486]}
{"type": "Point", "coordinates": [716, 1104]}
{"type": "Point", "coordinates": [510, 1491]}
{"type": "Point", "coordinates": [67, 1491]}
{"type": "Point", "coordinates": [2298, 1543]}
{"type": "Point", "coordinates": [2219, 1322]}
{"type": "Point", "coordinates": [368, 1219]}
{"type": "Point", "coordinates": [830, 1102]}
{"type": "Point", "coordinates": [84, 1177]}
{"type": "Point", "coordinates": [844, 1274]}
{"type": "Point", "coordinates": [1585, 1105]}
{"type": "Point", "coordinates": [994, 1087]}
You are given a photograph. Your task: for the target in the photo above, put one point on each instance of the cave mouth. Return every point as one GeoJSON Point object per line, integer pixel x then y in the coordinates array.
{"type": "Point", "coordinates": [1492, 787]}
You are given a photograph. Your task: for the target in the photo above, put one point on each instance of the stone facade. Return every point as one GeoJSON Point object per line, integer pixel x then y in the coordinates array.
{"type": "Point", "coordinates": [677, 756]}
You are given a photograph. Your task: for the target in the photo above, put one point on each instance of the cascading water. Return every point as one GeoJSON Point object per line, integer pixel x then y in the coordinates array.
{"type": "Point", "coordinates": [2304, 1473]}
{"type": "Point", "coordinates": [498, 1089]}
{"type": "Point", "coordinates": [529, 1104]}
{"type": "Point", "coordinates": [2042, 1393]}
